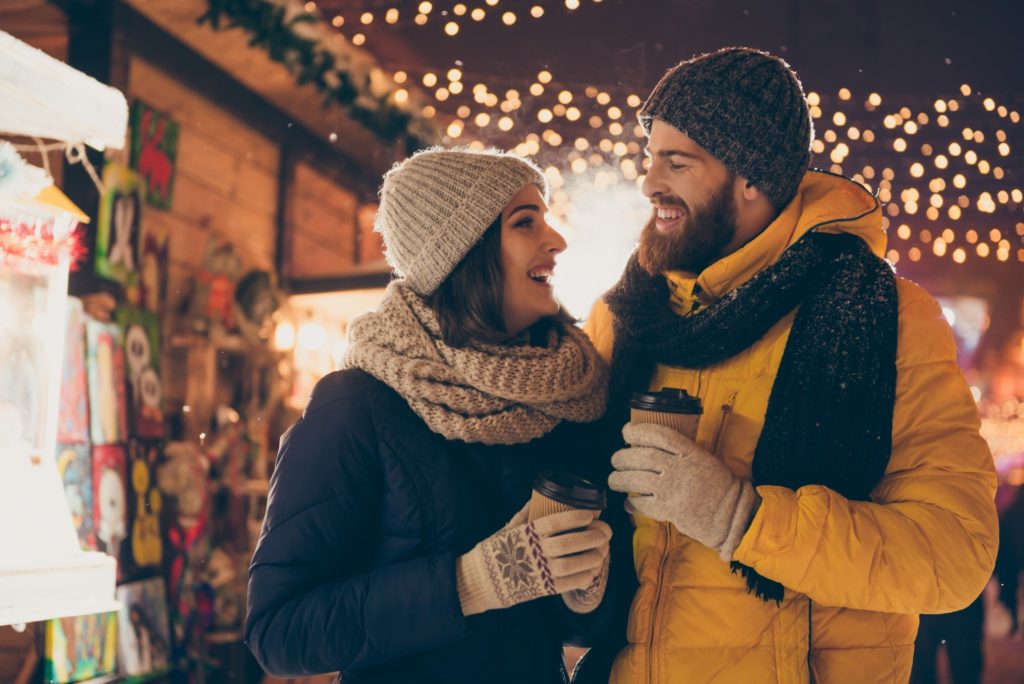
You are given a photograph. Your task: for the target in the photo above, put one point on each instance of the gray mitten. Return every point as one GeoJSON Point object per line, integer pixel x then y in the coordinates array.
{"type": "Point", "coordinates": [674, 480]}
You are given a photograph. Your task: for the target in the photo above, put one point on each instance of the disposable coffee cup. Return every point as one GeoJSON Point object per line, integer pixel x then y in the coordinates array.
{"type": "Point", "coordinates": [671, 407]}
{"type": "Point", "coordinates": [557, 492]}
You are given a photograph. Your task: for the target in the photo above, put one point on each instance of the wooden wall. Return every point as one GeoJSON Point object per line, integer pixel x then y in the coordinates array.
{"type": "Point", "coordinates": [226, 179]}
{"type": "Point", "coordinates": [321, 223]}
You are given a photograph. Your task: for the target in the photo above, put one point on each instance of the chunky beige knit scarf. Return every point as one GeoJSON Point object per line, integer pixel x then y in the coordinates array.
{"type": "Point", "coordinates": [488, 393]}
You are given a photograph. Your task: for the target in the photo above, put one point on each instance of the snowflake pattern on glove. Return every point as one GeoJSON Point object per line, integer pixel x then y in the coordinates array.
{"type": "Point", "coordinates": [512, 574]}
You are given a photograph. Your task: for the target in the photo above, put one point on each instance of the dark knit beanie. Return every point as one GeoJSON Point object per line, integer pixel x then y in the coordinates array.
{"type": "Point", "coordinates": [747, 108]}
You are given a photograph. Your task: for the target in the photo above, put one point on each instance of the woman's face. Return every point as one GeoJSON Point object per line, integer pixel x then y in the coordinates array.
{"type": "Point", "coordinates": [528, 249]}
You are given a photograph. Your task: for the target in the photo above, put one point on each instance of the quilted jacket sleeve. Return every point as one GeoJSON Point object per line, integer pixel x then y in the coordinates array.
{"type": "Point", "coordinates": [927, 541]}
{"type": "Point", "coordinates": [315, 604]}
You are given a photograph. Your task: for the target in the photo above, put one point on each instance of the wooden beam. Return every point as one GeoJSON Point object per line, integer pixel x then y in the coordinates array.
{"type": "Point", "coordinates": [358, 281]}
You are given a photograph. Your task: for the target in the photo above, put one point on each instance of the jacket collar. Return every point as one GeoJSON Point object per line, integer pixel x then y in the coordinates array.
{"type": "Point", "coordinates": [824, 202]}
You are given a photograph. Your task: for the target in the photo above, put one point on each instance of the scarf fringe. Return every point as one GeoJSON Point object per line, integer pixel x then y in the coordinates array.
{"type": "Point", "coordinates": [759, 585]}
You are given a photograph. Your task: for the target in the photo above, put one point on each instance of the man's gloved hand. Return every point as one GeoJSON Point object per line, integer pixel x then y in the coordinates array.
{"type": "Point", "coordinates": [674, 480]}
{"type": "Point", "coordinates": [552, 555]}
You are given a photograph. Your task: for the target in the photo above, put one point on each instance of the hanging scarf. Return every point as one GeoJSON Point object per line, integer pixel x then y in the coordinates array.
{"type": "Point", "coordinates": [829, 416]}
{"type": "Point", "coordinates": [488, 393]}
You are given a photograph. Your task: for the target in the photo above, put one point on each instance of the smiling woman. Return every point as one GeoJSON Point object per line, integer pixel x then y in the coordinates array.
{"type": "Point", "coordinates": [392, 533]}
{"type": "Point", "coordinates": [502, 287]}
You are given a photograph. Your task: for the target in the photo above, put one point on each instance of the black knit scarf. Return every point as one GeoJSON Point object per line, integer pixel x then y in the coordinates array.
{"type": "Point", "coordinates": [829, 416]}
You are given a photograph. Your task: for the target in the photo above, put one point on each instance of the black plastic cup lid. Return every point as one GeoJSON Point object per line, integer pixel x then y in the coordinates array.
{"type": "Point", "coordinates": [570, 490]}
{"type": "Point", "coordinates": [668, 400]}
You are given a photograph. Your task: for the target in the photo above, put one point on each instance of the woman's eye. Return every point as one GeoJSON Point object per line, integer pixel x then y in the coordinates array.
{"type": "Point", "coordinates": [524, 223]}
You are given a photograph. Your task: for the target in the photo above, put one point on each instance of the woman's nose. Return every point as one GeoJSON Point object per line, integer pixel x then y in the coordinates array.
{"type": "Point", "coordinates": [554, 242]}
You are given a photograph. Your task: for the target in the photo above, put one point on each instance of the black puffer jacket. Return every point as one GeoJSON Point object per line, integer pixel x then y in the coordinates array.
{"type": "Point", "coordinates": [368, 510]}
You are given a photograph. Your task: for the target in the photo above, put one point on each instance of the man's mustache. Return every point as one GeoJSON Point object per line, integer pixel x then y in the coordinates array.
{"type": "Point", "coordinates": [670, 201]}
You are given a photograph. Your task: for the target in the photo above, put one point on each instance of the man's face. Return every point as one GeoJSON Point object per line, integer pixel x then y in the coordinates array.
{"type": "Point", "coordinates": [694, 210]}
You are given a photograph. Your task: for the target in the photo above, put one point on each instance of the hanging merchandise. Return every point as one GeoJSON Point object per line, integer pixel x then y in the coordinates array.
{"type": "Point", "coordinates": [74, 462]}
{"type": "Point", "coordinates": [144, 552]}
{"type": "Point", "coordinates": [73, 414]}
{"type": "Point", "coordinates": [110, 496]}
{"type": "Point", "coordinates": [212, 309]}
{"type": "Point", "coordinates": [257, 297]}
{"type": "Point", "coordinates": [119, 224]}
{"type": "Point", "coordinates": [150, 292]}
{"type": "Point", "coordinates": [183, 480]}
{"type": "Point", "coordinates": [142, 358]}
{"type": "Point", "coordinates": [80, 648]}
{"type": "Point", "coordinates": [104, 361]}
{"type": "Point", "coordinates": [144, 639]}
{"type": "Point", "coordinates": [153, 153]}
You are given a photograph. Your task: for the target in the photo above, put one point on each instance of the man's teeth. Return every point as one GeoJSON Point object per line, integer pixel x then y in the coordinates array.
{"type": "Point", "coordinates": [669, 214]}
{"type": "Point", "coordinates": [541, 275]}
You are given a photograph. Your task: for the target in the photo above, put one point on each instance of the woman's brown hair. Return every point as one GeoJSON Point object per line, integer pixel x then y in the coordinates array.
{"type": "Point", "coordinates": [470, 301]}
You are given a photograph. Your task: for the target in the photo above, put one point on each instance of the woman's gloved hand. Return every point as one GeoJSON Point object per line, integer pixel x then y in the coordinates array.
{"type": "Point", "coordinates": [558, 553]}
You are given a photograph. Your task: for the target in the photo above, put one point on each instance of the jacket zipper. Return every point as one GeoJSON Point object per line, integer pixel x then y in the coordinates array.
{"type": "Point", "coordinates": [656, 618]}
{"type": "Point", "coordinates": [726, 410]}
{"type": "Point", "coordinates": [810, 638]}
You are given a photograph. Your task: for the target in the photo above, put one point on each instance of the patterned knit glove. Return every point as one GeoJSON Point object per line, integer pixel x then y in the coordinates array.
{"type": "Point", "coordinates": [587, 600]}
{"type": "Point", "coordinates": [676, 481]}
{"type": "Point", "coordinates": [552, 555]}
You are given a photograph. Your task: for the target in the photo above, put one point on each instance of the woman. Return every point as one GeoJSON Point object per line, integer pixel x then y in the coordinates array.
{"type": "Point", "coordinates": [385, 551]}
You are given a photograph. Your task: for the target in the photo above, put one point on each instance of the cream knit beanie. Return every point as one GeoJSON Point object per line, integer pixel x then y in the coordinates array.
{"type": "Point", "coordinates": [437, 204]}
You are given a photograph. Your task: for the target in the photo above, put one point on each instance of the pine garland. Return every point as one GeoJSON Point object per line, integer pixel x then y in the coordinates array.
{"type": "Point", "coordinates": [294, 39]}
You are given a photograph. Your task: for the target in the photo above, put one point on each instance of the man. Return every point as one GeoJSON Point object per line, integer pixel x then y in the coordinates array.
{"type": "Point", "coordinates": [837, 486]}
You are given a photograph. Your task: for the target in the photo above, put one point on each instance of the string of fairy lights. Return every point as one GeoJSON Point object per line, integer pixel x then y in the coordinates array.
{"type": "Point", "coordinates": [944, 168]}
{"type": "Point", "coordinates": [362, 15]}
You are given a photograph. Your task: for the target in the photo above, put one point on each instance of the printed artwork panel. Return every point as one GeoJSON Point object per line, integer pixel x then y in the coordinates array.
{"type": "Point", "coordinates": [119, 225]}
{"type": "Point", "coordinates": [79, 648]}
{"type": "Point", "coordinates": [110, 498]}
{"type": "Point", "coordinates": [74, 462]}
{"type": "Point", "coordinates": [154, 150]}
{"type": "Point", "coordinates": [104, 362]}
{"type": "Point", "coordinates": [73, 415]}
{"type": "Point", "coordinates": [142, 361]}
{"type": "Point", "coordinates": [144, 633]}
{"type": "Point", "coordinates": [144, 550]}
{"type": "Point", "coordinates": [154, 262]}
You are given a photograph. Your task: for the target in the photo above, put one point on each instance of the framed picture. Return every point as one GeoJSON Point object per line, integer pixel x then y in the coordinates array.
{"type": "Point", "coordinates": [154, 148]}
{"type": "Point", "coordinates": [74, 463]}
{"type": "Point", "coordinates": [144, 634]}
{"type": "Point", "coordinates": [79, 648]}
{"type": "Point", "coordinates": [144, 551]}
{"type": "Point", "coordinates": [73, 414]}
{"type": "Point", "coordinates": [110, 498]}
{"type": "Point", "coordinates": [119, 225]}
{"type": "Point", "coordinates": [150, 292]}
{"type": "Point", "coordinates": [142, 366]}
{"type": "Point", "coordinates": [104, 360]}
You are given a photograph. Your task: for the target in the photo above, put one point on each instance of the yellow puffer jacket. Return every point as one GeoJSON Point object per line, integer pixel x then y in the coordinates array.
{"type": "Point", "coordinates": [856, 573]}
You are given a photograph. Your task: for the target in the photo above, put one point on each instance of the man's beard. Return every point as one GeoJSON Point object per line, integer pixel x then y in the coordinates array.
{"type": "Point", "coordinates": [700, 240]}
